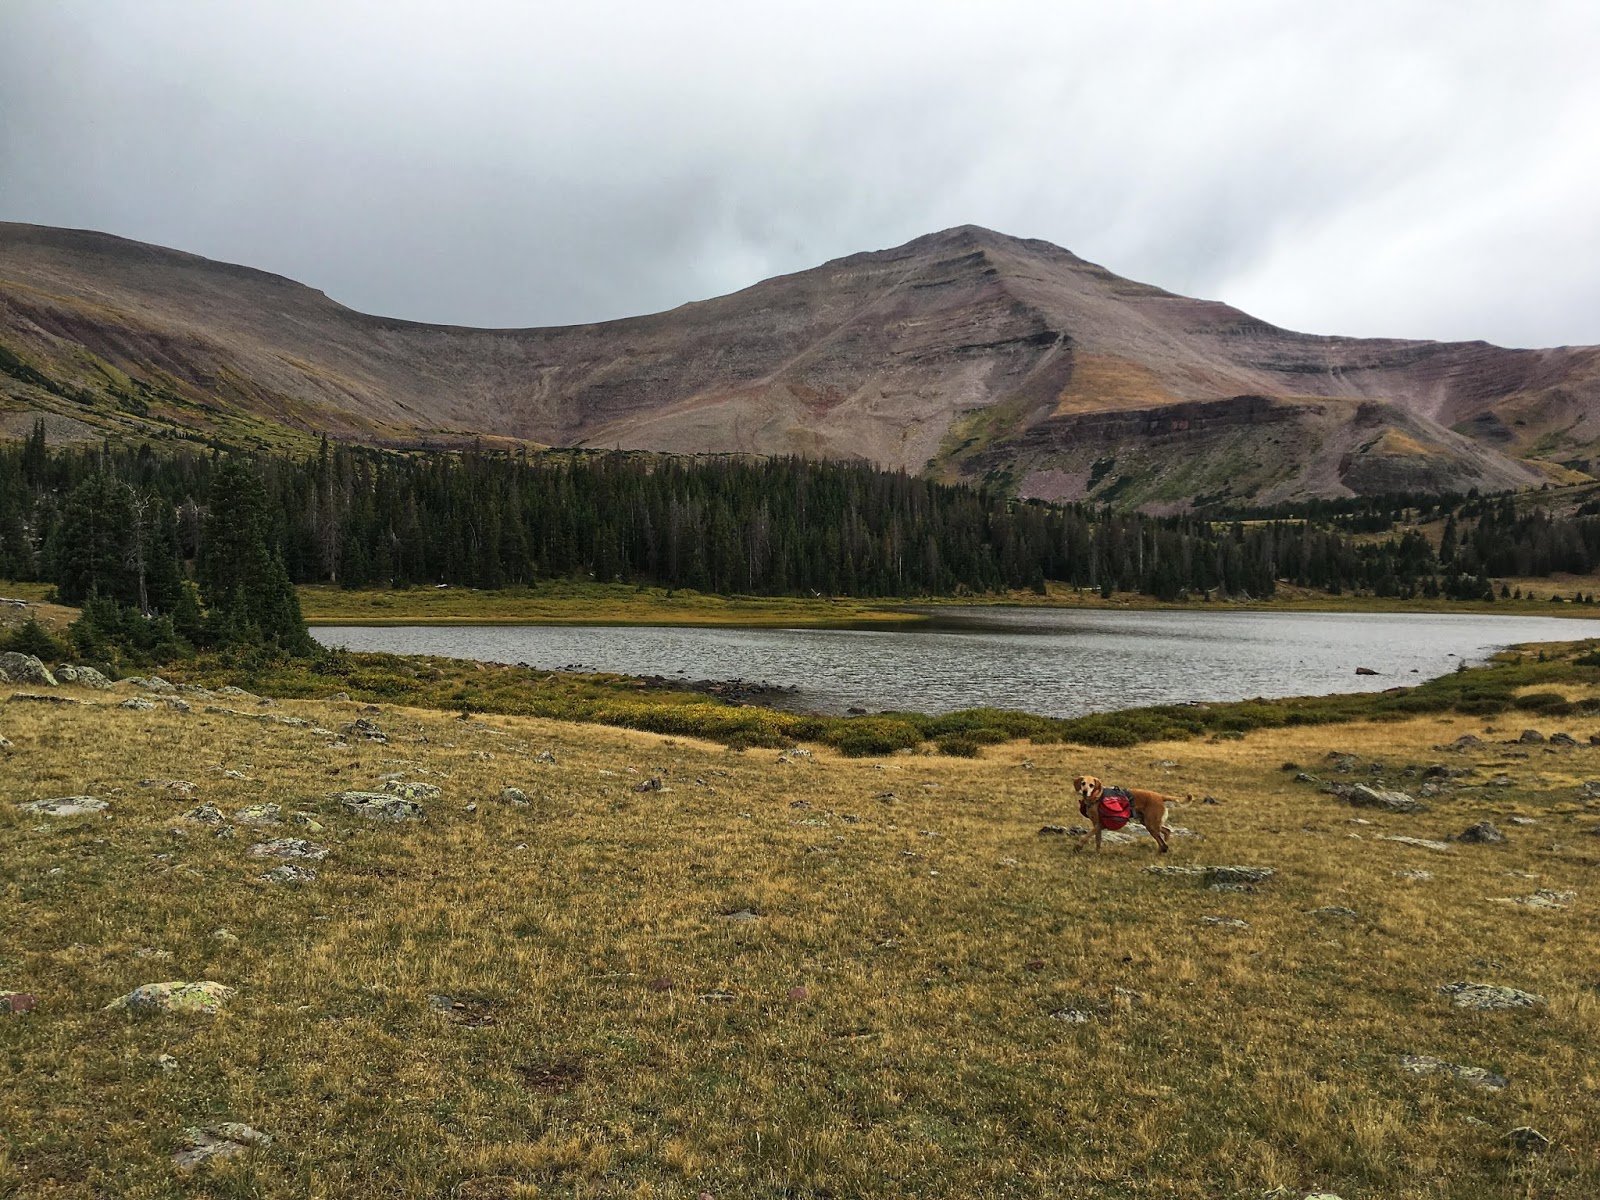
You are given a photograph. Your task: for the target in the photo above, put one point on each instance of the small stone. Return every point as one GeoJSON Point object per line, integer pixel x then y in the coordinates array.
{"type": "Point", "coordinates": [1334, 910]}
{"type": "Point", "coordinates": [1306, 777]}
{"type": "Point", "coordinates": [138, 704]}
{"type": "Point", "coordinates": [1483, 833]}
{"type": "Point", "coordinates": [65, 806]}
{"type": "Point", "coordinates": [18, 1002]}
{"type": "Point", "coordinates": [1070, 1016]}
{"type": "Point", "coordinates": [167, 1063]}
{"type": "Point", "coordinates": [1563, 739]}
{"type": "Point", "coordinates": [1527, 1140]}
{"type": "Point", "coordinates": [258, 814]}
{"type": "Point", "coordinates": [224, 935]}
{"type": "Point", "coordinates": [1531, 737]}
{"type": "Point", "coordinates": [516, 796]}
{"type": "Point", "coordinates": [742, 916]}
{"type": "Point", "coordinates": [546, 757]}
{"type": "Point", "coordinates": [1369, 797]}
{"type": "Point", "coordinates": [290, 873]}
{"type": "Point", "coordinates": [1053, 831]}
{"type": "Point", "coordinates": [1543, 898]}
{"type": "Point", "coordinates": [227, 1140]}
{"type": "Point", "coordinates": [177, 705]}
{"type": "Point", "coordinates": [1423, 1064]}
{"type": "Point", "coordinates": [306, 820]}
{"type": "Point", "coordinates": [1419, 843]}
{"type": "Point", "coordinates": [653, 784]}
{"type": "Point", "coordinates": [1523, 821]}
{"type": "Point", "coordinates": [1413, 873]}
{"type": "Point", "coordinates": [289, 848]}
{"type": "Point", "coordinates": [204, 996]}
{"type": "Point", "coordinates": [364, 729]}
{"type": "Point", "coordinates": [1489, 996]}
{"type": "Point", "coordinates": [1225, 922]}
{"type": "Point", "coordinates": [718, 997]}
{"type": "Point", "coordinates": [797, 994]}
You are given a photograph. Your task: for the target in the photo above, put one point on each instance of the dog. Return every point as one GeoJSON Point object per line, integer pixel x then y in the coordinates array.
{"type": "Point", "coordinates": [1150, 808]}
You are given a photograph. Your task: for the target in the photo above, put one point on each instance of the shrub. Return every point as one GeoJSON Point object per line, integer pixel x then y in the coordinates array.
{"type": "Point", "coordinates": [33, 638]}
{"type": "Point", "coordinates": [959, 745]}
{"type": "Point", "coordinates": [866, 736]}
{"type": "Point", "coordinates": [1544, 702]}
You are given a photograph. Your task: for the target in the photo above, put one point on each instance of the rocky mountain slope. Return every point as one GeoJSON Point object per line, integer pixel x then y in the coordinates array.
{"type": "Point", "coordinates": [967, 354]}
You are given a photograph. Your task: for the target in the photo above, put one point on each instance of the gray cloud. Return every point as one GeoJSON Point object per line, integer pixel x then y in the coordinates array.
{"type": "Point", "coordinates": [1401, 168]}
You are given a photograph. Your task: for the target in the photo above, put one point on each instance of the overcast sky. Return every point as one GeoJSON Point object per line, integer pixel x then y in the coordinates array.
{"type": "Point", "coordinates": [1366, 167]}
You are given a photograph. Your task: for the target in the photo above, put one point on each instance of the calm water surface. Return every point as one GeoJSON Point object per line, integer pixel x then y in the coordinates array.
{"type": "Point", "coordinates": [1044, 660]}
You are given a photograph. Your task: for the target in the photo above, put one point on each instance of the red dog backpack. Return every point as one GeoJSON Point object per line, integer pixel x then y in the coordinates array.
{"type": "Point", "coordinates": [1116, 808]}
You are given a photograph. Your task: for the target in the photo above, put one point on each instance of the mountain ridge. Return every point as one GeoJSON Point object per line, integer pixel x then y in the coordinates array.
{"type": "Point", "coordinates": [965, 353]}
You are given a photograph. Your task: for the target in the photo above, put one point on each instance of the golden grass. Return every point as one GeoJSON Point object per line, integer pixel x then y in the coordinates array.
{"type": "Point", "coordinates": [933, 929]}
{"type": "Point", "coordinates": [561, 603]}
{"type": "Point", "coordinates": [1105, 383]}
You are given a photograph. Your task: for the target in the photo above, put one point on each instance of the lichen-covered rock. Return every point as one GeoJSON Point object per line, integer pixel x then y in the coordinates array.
{"type": "Point", "coordinates": [152, 684]}
{"type": "Point", "coordinates": [206, 814]}
{"type": "Point", "coordinates": [381, 806]}
{"type": "Point", "coordinates": [1424, 1064]}
{"type": "Point", "coordinates": [363, 728]}
{"type": "Point", "coordinates": [258, 814]}
{"type": "Point", "coordinates": [65, 806]}
{"type": "Point", "coordinates": [1489, 996]}
{"type": "Point", "coordinates": [1543, 898]}
{"type": "Point", "coordinates": [1483, 833]}
{"type": "Point", "coordinates": [24, 668]}
{"type": "Point", "coordinates": [307, 820]}
{"type": "Point", "coordinates": [138, 704]}
{"type": "Point", "coordinates": [290, 873]}
{"type": "Point", "coordinates": [81, 676]}
{"type": "Point", "coordinates": [233, 690]}
{"type": "Point", "coordinates": [202, 996]}
{"type": "Point", "coordinates": [1364, 796]}
{"type": "Point", "coordinates": [177, 704]}
{"type": "Point", "coordinates": [289, 848]}
{"type": "Point", "coordinates": [411, 790]}
{"type": "Point", "coordinates": [516, 796]}
{"type": "Point", "coordinates": [226, 1140]}
{"type": "Point", "coordinates": [545, 756]}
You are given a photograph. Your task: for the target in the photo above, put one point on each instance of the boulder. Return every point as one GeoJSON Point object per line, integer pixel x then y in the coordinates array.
{"type": "Point", "coordinates": [516, 796]}
{"type": "Point", "coordinates": [1424, 1064]}
{"type": "Point", "coordinates": [24, 668]}
{"type": "Point", "coordinates": [152, 684]}
{"type": "Point", "coordinates": [381, 806]}
{"type": "Point", "coordinates": [65, 806]}
{"type": "Point", "coordinates": [83, 677]}
{"type": "Point", "coordinates": [138, 704]}
{"type": "Point", "coordinates": [1365, 671]}
{"type": "Point", "coordinates": [1488, 996]}
{"type": "Point", "coordinates": [363, 728]}
{"type": "Point", "coordinates": [226, 1140]}
{"type": "Point", "coordinates": [1483, 833]}
{"type": "Point", "coordinates": [1531, 737]}
{"type": "Point", "coordinates": [1556, 739]}
{"type": "Point", "coordinates": [36, 698]}
{"type": "Point", "coordinates": [202, 996]}
{"type": "Point", "coordinates": [206, 814]}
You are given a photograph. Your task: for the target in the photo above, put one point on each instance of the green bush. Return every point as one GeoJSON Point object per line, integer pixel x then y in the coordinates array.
{"type": "Point", "coordinates": [33, 638]}
{"type": "Point", "coordinates": [862, 737]}
{"type": "Point", "coordinates": [959, 745]}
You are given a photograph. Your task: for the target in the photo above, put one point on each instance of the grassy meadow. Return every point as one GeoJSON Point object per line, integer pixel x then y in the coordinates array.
{"type": "Point", "coordinates": [788, 975]}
